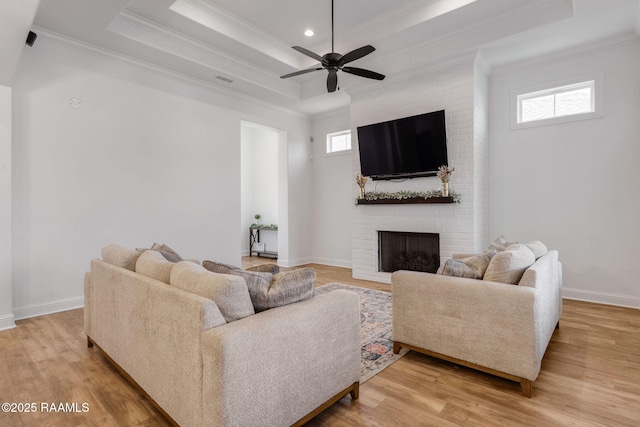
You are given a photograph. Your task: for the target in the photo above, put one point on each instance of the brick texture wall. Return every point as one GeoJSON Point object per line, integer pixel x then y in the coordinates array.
{"type": "Point", "coordinates": [462, 92]}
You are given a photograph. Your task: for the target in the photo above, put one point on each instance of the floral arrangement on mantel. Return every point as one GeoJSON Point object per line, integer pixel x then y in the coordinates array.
{"type": "Point", "coordinates": [403, 195]}
{"type": "Point", "coordinates": [444, 173]}
{"type": "Point", "coordinates": [361, 181]}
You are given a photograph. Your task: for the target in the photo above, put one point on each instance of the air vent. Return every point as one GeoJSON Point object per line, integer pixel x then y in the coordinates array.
{"type": "Point", "coordinates": [224, 79]}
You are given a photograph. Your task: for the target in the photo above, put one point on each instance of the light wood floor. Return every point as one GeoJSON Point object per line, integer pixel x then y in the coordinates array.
{"type": "Point", "coordinates": [590, 377]}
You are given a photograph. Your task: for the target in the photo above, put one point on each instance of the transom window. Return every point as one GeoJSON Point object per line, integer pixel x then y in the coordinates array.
{"type": "Point", "coordinates": [339, 141]}
{"type": "Point", "coordinates": [564, 102]}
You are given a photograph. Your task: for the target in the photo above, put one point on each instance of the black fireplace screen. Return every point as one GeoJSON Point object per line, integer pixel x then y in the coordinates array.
{"type": "Point", "coordinates": [408, 251]}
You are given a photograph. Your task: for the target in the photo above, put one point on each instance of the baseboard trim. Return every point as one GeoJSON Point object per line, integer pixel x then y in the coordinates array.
{"type": "Point", "coordinates": [56, 306]}
{"type": "Point", "coordinates": [601, 297]}
{"type": "Point", "coordinates": [294, 262]}
{"type": "Point", "coordinates": [7, 321]}
{"type": "Point", "coordinates": [332, 262]}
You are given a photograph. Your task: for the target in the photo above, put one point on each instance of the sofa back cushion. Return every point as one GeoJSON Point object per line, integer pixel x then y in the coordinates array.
{"type": "Point", "coordinates": [120, 256]}
{"type": "Point", "coordinates": [152, 264]}
{"type": "Point", "coordinates": [508, 266]}
{"type": "Point", "coordinates": [537, 247]}
{"type": "Point", "coordinates": [274, 290]}
{"type": "Point", "coordinates": [230, 293]}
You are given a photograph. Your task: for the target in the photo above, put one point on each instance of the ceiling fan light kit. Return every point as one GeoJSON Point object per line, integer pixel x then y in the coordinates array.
{"type": "Point", "coordinates": [334, 62]}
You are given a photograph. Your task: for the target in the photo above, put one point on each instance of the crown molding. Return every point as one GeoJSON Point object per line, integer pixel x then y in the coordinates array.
{"type": "Point", "coordinates": [157, 36]}
{"type": "Point", "coordinates": [391, 22]}
{"type": "Point", "coordinates": [439, 66]}
{"type": "Point", "coordinates": [110, 55]}
{"type": "Point", "coordinates": [205, 13]}
{"type": "Point", "coordinates": [575, 51]}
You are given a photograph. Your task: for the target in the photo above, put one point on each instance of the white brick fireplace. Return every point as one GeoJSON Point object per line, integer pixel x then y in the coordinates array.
{"type": "Point", "coordinates": [461, 91]}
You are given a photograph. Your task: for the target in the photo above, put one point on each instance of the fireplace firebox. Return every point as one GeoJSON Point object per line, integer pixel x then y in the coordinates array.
{"type": "Point", "coordinates": [408, 251]}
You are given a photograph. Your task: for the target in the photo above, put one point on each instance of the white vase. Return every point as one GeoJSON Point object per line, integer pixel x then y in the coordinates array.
{"type": "Point", "coordinates": [445, 189]}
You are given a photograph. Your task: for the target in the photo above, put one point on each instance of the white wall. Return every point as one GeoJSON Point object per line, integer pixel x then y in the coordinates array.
{"type": "Point", "coordinates": [6, 313]}
{"type": "Point", "coordinates": [259, 183]}
{"type": "Point", "coordinates": [574, 185]}
{"type": "Point", "coordinates": [333, 183]}
{"type": "Point", "coordinates": [147, 158]}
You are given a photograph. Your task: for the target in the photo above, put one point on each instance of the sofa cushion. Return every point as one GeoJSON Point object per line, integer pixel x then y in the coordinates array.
{"type": "Point", "coordinates": [538, 248]}
{"type": "Point", "coordinates": [152, 264]}
{"type": "Point", "coordinates": [472, 267]}
{"type": "Point", "coordinates": [230, 293]}
{"type": "Point", "coordinates": [274, 290]}
{"type": "Point", "coordinates": [120, 256]}
{"type": "Point", "coordinates": [508, 266]}
{"type": "Point", "coordinates": [218, 267]}
{"type": "Point", "coordinates": [499, 244]}
{"type": "Point", "coordinates": [167, 252]}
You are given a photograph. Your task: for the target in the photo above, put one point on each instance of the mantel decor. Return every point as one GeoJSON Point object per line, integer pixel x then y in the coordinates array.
{"type": "Point", "coordinates": [406, 197]}
{"type": "Point", "coordinates": [444, 173]}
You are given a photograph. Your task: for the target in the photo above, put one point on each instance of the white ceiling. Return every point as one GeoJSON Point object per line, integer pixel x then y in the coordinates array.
{"type": "Point", "coordinates": [249, 41]}
{"type": "Point", "coordinates": [16, 17]}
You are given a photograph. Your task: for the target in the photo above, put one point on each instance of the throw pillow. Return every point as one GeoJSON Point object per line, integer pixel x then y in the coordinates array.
{"type": "Point", "coordinates": [120, 256]}
{"type": "Point", "coordinates": [472, 267]}
{"type": "Point", "coordinates": [538, 248]}
{"type": "Point", "coordinates": [229, 293]}
{"type": "Point", "coordinates": [167, 252]}
{"type": "Point", "coordinates": [152, 264]}
{"type": "Point", "coordinates": [499, 244]}
{"type": "Point", "coordinates": [274, 290]}
{"type": "Point", "coordinates": [218, 267]}
{"type": "Point", "coordinates": [508, 266]}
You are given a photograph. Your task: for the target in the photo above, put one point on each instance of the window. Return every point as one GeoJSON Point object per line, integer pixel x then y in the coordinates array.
{"type": "Point", "coordinates": [339, 141]}
{"type": "Point", "coordinates": [577, 100]}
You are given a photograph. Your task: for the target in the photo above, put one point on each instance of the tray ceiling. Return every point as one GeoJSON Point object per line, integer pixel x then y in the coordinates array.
{"type": "Point", "coordinates": [249, 41]}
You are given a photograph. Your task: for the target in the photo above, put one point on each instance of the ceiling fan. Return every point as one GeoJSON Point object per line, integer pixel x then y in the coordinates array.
{"type": "Point", "coordinates": [334, 62]}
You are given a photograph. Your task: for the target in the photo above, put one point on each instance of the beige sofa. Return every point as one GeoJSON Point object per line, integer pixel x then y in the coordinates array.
{"type": "Point", "coordinates": [278, 367]}
{"type": "Point", "coordinates": [499, 328]}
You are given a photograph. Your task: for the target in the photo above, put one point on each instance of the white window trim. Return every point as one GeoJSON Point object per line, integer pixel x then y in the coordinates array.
{"type": "Point", "coordinates": [598, 101]}
{"type": "Point", "coordinates": [341, 152]}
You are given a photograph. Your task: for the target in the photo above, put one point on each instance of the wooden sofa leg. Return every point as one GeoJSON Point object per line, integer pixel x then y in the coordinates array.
{"type": "Point", "coordinates": [558, 325]}
{"type": "Point", "coordinates": [396, 347]}
{"type": "Point", "coordinates": [89, 342]}
{"type": "Point", "coordinates": [355, 391]}
{"type": "Point", "coordinates": [526, 387]}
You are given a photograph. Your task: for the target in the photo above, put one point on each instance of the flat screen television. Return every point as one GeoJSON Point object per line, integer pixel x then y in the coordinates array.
{"type": "Point", "coordinates": [410, 147]}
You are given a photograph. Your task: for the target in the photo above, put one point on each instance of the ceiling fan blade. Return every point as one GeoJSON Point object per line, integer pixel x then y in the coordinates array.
{"type": "Point", "coordinates": [332, 80]}
{"type": "Point", "coordinates": [363, 73]}
{"type": "Point", "coordinates": [356, 54]}
{"type": "Point", "coordinates": [297, 73]}
{"type": "Point", "coordinates": [308, 53]}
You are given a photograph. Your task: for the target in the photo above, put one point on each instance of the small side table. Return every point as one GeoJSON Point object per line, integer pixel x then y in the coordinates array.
{"type": "Point", "coordinates": [254, 237]}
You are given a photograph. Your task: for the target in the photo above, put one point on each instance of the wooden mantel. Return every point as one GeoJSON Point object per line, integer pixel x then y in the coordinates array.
{"type": "Point", "coordinates": [413, 200]}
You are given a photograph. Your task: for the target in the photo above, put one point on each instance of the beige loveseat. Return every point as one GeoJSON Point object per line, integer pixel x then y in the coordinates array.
{"type": "Point", "coordinates": [499, 328]}
{"type": "Point", "coordinates": [278, 367]}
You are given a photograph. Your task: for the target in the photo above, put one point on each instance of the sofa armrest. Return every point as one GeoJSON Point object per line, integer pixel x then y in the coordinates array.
{"type": "Point", "coordinates": [275, 367]}
{"type": "Point", "coordinates": [153, 331]}
{"type": "Point", "coordinates": [487, 323]}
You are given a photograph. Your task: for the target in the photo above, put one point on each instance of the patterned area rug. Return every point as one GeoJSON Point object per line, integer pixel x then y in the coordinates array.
{"type": "Point", "coordinates": [375, 329]}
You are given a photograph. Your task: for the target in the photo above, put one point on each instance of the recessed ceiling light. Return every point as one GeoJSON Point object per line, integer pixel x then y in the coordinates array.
{"type": "Point", "coordinates": [308, 33]}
